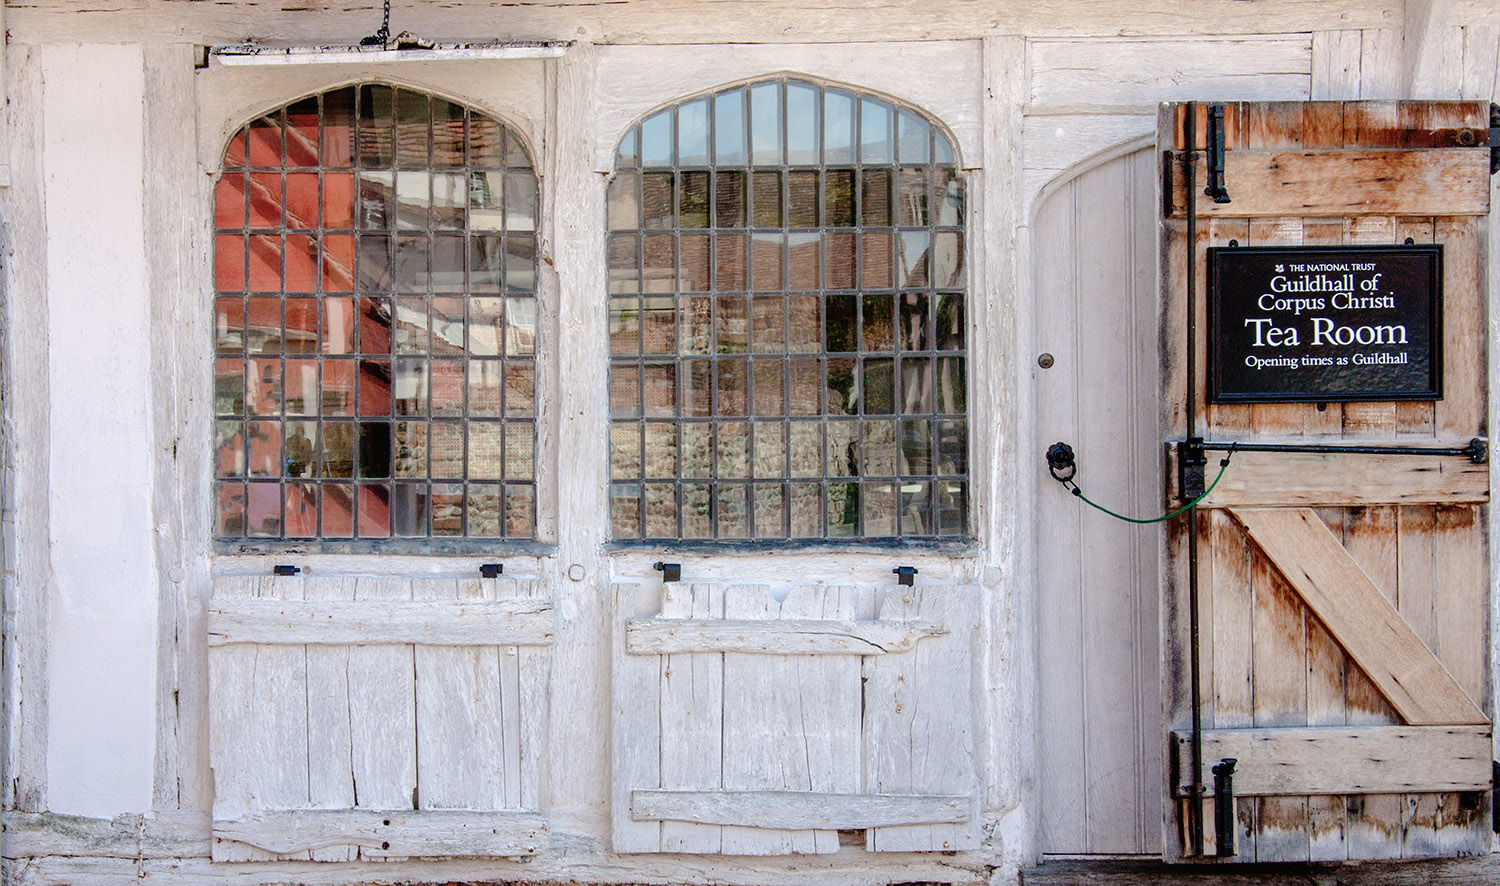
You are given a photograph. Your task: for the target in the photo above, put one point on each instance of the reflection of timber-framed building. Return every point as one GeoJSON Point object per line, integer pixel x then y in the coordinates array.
{"type": "Point", "coordinates": [607, 445]}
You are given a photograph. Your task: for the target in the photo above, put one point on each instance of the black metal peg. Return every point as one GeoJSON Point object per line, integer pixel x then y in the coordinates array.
{"type": "Point", "coordinates": [285, 569]}
{"type": "Point", "coordinates": [669, 571]}
{"type": "Point", "coordinates": [905, 575]}
{"type": "Point", "coordinates": [491, 570]}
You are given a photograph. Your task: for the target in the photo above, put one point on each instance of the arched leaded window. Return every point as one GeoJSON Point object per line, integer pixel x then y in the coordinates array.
{"type": "Point", "coordinates": [787, 316]}
{"type": "Point", "coordinates": [375, 276]}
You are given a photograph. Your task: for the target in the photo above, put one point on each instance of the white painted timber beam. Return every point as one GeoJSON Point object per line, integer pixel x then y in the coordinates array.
{"type": "Point", "coordinates": [664, 636]}
{"type": "Point", "coordinates": [796, 810]}
{"type": "Point", "coordinates": [509, 622]}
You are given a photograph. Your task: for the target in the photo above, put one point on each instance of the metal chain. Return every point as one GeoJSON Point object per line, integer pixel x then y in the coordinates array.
{"type": "Point", "coordinates": [382, 36]}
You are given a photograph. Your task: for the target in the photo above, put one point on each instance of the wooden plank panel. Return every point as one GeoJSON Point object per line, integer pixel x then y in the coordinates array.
{"type": "Point", "coordinates": [258, 747]}
{"type": "Point", "coordinates": [1145, 71]}
{"type": "Point", "coordinates": [692, 717]}
{"type": "Point", "coordinates": [1461, 609]}
{"type": "Point", "coordinates": [1462, 409]}
{"type": "Point", "coordinates": [830, 729]}
{"type": "Point", "coordinates": [460, 743]}
{"type": "Point", "coordinates": [330, 781]}
{"type": "Point", "coordinates": [520, 621]}
{"type": "Point", "coordinates": [789, 636]}
{"type": "Point", "coordinates": [1415, 418]}
{"type": "Point", "coordinates": [1268, 479]}
{"type": "Point", "coordinates": [382, 834]}
{"type": "Point", "coordinates": [919, 718]}
{"type": "Point", "coordinates": [1349, 182]}
{"type": "Point", "coordinates": [1346, 759]}
{"type": "Point", "coordinates": [1231, 615]}
{"type": "Point", "coordinates": [509, 723]}
{"type": "Point", "coordinates": [635, 718]}
{"type": "Point", "coordinates": [1370, 629]}
{"type": "Point", "coordinates": [383, 712]}
{"type": "Point", "coordinates": [1279, 655]}
{"type": "Point", "coordinates": [535, 702]}
{"type": "Point", "coordinates": [796, 809]}
{"type": "Point", "coordinates": [756, 702]}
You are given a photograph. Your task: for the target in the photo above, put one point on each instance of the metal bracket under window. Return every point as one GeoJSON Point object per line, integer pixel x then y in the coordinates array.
{"type": "Point", "coordinates": [669, 571]}
{"type": "Point", "coordinates": [905, 575]}
{"type": "Point", "coordinates": [1494, 138]}
{"type": "Point", "coordinates": [285, 569]}
{"type": "Point", "coordinates": [491, 570]}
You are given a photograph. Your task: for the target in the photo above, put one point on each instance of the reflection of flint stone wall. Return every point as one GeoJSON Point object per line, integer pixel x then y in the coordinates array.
{"type": "Point", "coordinates": [447, 512]}
{"type": "Point", "coordinates": [411, 450]}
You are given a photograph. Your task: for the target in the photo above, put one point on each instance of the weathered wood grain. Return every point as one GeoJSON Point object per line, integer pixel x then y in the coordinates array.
{"type": "Point", "coordinates": [779, 637]}
{"type": "Point", "coordinates": [1346, 759]}
{"type": "Point", "coordinates": [1369, 628]}
{"type": "Point", "coordinates": [392, 832]}
{"type": "Point", "coordinates": [1350, 182]}
{"type": "Point", "coordinates": [796, 809]}
{"type": "Point", "coordinates": [519, 621]}
{"type": "Point", "coordinates": [330, 747]}
{"type": "Point", "coordinates": [635, 717]}
{"type": "Point", "coordinates": [382, 710]}
{"type": "Point", "coordinates": [692, 717]}
{"type": "Point", "coordinates": [1280, 479]}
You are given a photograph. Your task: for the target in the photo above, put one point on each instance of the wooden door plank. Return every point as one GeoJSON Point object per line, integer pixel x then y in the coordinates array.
{"type": "Point", "coordinates": [1263, 184]}
{"type": "Point", "coordinates": [1232, 608]}
{"type": "Point", "coordinates": [259, 730]}
{"type": "Point", "coordinates": [1414, 418]}
{"type": "Point", "coordinates": [817, 811]}
{"type": "Point", "coordinates": [1279, 654]}
{"type": "Point", "coordinates": [692, 718]}
{"type": "Point", "coordinates": [460, 749]}
{"type": "Point", "coordinates": [1279, 479]}
{"type": "Point", "coordinates": [330, 781]}
{"type": "Point", "coordinates": [635, 717]}
{"type": "Point", "coordinates": [535, 702]}
{"type": "Point", "coordinates": [1462, 411]}
{"type": "Point", "coordinates": [919, 718]}
{"type": "Point", "coordinates": [755, 725]}
{"type": "Point", "coordinates": [523, 621]}
{"type": "Point", "coordinates": [392, 833]}
{"type": "Point", "coordinates": [1366, 625]}
{"type": "Point", "coordinates": [789, 636]}
{"type": "Point", "coordinates": [509, 722]}
{"type": "Point", "coordinates": [383, 712]}
{"type": "Point", "coordinates": [1346, 759]}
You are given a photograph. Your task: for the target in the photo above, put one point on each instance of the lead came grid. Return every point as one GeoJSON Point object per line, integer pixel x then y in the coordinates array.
{"type": "Point", "coordinates": [787, 321]}
{"type": "Point", "coordinates": [375, 322]}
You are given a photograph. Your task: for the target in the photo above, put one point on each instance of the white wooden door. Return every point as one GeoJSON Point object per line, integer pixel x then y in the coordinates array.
{"type": "Point", "coordinates": [1096, 315]}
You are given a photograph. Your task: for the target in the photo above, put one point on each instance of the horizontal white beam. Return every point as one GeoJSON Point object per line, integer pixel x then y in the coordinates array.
{"type": "Point", "coordinates": [664, 636]}
{"type": "Point", "coordinates": [398, 833]}
{"type": "Point", "coordinates": [797, 810]}
{"type": "Point", "coordinates": [256, 54]}
{"type": "Point", "coordinates": [521, 621]}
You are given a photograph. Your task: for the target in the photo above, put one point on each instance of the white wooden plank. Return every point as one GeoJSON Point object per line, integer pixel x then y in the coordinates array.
{"type": "Point", "coordinates": [509, 723]}
{"type": "Point", "coordinates": [534, 698]}
{"type": "Point", "coordinates": [460, 758]}
{"type": "Point", "coordinates": [1335, 64]}
{"type": "Point", "coordinates": [919, 719]}
{"type": "Point", "coordinates": [520, 621]}
{"type": "Point", "coordinates": [797, 809]}
{"type": "Point", "coordinates": [1346, 759]}
{"type": "Point", "coordinates": [635, 717]}
{"type": "Point", "coordinates": [692, 716]}
{"type": "Point", "coordinates": [1481, 68]}
{"type": "Point", "coordinates": [1060, 698]}
{"type": "Point", "coordinates": [790, 636]}
{"type": "Point", "coordinates": [383, 711]}
{"type": "Point", "coordinates": [755, 726]}
{"type": "Point", "coordinates": [1143, 72]}
{"type": "Point", "coordinates": [391, 833]}
{"type": "Point", "coordinates": [330, 780]}
{"type": "Point", "coordinates": [259, 723]}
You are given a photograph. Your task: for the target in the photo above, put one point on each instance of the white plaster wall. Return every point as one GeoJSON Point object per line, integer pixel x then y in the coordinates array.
{"type": "Point", "coordinates": [102, 596]}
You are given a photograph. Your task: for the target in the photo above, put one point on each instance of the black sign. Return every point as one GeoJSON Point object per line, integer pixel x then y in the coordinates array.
{"type": "Point", "coordinates": [1321, 324]}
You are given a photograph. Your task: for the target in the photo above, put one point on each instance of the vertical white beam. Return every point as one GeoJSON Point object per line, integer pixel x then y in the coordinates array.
{"type": "Point", "coordinates": [103, 595]}
{"type": "Point", "coordinates": [999, 419]}
{"type": "Point", "coordinates": [576, 378]}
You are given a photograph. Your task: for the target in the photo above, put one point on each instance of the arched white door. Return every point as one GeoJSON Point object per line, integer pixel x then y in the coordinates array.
{"type": "Point", "coordinates": [1096, 315]}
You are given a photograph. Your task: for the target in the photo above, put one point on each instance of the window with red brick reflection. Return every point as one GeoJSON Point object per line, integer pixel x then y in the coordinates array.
{"type": "Point", "coordinates": [375, 271]}
{"type": "Point", "coordinates": [787, 321]}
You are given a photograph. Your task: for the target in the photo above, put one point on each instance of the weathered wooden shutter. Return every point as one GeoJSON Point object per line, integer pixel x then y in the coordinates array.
{"type": "Point", "coordinates": [1344, 597]}
{"type": "Point", "coordinates": [377, 718]}
{"type": "Point", "coordinates": [748, 725]}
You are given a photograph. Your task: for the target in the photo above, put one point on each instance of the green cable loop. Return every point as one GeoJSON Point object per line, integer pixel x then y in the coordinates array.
{"type": "Point", "coordinates": [1223, 466]}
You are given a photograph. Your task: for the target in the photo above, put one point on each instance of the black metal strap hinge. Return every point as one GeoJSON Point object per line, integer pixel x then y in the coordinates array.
{"type": "Point", "coordinates": [1216, 189]}
{"type": "Point", "coordinates": [1494, 138]}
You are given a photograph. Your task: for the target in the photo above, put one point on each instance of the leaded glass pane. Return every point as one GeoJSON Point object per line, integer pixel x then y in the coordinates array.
{"type": "Point", "coordinates": [797, 369]}
{"type": "Point", "coordinates": [375, 322]}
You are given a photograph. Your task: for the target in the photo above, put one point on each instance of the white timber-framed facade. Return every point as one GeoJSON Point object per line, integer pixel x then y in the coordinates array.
{"type": "Point", "coordinates": [131, 620]}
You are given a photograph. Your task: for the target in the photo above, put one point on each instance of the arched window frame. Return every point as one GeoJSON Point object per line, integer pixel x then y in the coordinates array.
{"type": "Point", "coordinates": [510, 478]}
{"type": "Point", "coordinates": [659, 143]}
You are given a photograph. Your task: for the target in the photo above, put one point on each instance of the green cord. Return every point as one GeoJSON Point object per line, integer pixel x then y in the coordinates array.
{"type": "Point", "coordinates": [1223, 466]}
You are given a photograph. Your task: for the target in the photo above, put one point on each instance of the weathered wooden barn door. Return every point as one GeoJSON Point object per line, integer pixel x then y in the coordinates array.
{"type": "Point", "coordinates": [377, 718]}
{"type": "Point", "coordinates": [749, 723]}
{"type": "Point", "coordinates": [1342, 596]}
{"type": "Point", "coordinates": [1098, 323]}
